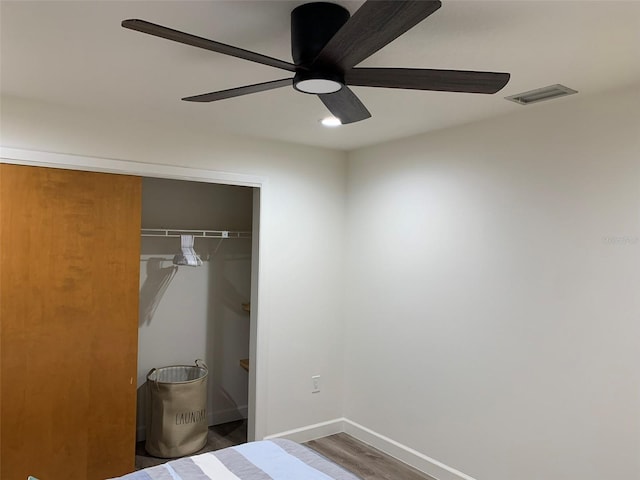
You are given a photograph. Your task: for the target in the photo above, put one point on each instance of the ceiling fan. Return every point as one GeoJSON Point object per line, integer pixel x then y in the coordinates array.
{"type": "Point", "coordinates": [327, 43]}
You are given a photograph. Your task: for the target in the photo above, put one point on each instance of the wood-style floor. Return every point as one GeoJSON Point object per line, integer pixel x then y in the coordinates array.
{"type": "Point", "coordinates": [364, 460]}
{"type": "Point", "coordinates": [357, 457]}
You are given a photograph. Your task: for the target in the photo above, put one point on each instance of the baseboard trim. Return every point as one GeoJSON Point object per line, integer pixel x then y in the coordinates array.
{"type": "Point", "coordinates": [419, 461]}
{"type": "Point", "coordinates": [311, 432]}
{"type": "Point", "coordinates": [424, 463]}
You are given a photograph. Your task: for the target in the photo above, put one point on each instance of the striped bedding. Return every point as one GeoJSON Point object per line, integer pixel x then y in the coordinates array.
{"type": "Point", "coordinates": [263, 460]}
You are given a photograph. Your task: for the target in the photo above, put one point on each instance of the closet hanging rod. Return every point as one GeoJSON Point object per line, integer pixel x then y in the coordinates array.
{"type": "Point", "coordinates": [164, 232]}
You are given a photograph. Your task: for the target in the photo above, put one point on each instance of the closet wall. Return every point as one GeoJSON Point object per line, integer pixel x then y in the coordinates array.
{"type": "Point", "coordinates": [196, 312]}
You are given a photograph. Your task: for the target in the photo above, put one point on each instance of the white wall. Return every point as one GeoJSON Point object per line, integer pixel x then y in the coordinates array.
{"type": "Point", "coordinates": [492, 308]}
{"type": "Point", "coordinates": [302, 200]}
{"type": "Point", "coordinates": [493, 315]}
{"type": "Point", "coordinates": [188, 313]}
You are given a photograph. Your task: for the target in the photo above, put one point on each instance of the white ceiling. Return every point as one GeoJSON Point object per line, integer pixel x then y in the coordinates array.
{"type": "Point", "coordinates": [76, 53]}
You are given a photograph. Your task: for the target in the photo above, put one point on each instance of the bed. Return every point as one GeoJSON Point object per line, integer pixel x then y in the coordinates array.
{"type": "Point", "coordinates": [276, 459]}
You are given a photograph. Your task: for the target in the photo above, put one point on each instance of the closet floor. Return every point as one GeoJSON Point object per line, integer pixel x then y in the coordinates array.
{"type": "Point", "coordinates": [219, 436]}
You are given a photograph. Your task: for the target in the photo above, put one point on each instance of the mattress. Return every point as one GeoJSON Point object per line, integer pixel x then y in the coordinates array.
{"type": "Point", "coordinates": [277, 459]}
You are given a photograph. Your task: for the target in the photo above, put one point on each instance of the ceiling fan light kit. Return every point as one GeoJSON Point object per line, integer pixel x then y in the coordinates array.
{"type": "Point", "coordinates": [327, 43]}
{"type": "Point", "coordinates": [317, 82]}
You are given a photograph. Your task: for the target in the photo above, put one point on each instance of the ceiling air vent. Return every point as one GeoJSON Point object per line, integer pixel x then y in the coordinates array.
{"type": "Point", "coordinates": [540, 94]}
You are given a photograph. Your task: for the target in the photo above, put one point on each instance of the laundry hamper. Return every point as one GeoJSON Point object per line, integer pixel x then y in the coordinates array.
{"type": "Point", "coordinates": [176, 420]}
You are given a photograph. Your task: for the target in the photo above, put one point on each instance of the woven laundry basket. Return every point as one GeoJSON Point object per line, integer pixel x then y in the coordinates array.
{"type": "Point", "coordinates": [176, 420]}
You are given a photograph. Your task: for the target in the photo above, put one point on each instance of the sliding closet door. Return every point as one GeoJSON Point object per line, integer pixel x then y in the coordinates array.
{"type": "Point", "coordinates": [69, 273]}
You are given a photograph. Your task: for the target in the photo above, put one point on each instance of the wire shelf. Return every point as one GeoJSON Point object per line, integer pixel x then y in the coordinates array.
{"type": "Point", "coordinates": [163, 232]}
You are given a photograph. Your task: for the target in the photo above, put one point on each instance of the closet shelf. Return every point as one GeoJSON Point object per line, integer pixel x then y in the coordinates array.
{"type": "Point", "coordinates": [163, 232]}
{"type": "Point", "coordinates": [244, 363]}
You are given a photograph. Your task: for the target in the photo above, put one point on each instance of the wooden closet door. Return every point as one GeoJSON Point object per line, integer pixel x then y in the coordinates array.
{"type": "Point", "coordinates": [69, 276]}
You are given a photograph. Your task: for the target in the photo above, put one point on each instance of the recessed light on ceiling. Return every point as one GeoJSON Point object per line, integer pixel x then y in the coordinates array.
{"type": "Point", "coordinates": [540, 94]}
{"type": "Point", "coordinates": [331, 122]}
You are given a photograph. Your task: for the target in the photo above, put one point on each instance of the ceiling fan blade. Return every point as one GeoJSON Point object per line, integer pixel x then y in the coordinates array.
{"type": "Point", "coordinates": [195, 41]}
{"type": "Point", "coordinates": [426, 79]}
{"type": "Point", "coordinates": [375, 24]}
{"type": "Point", "coordinates": [344, 105]}
{"type": "Point", "coordinates": [239, 91]}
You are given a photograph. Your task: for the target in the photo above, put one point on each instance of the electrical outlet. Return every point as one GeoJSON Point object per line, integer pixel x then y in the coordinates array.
{"type": "Point", "coordinates": [315, 384]}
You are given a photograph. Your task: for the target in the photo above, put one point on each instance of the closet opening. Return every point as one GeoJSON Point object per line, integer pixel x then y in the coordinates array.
{"type": "Point", "coordinates": [197, 279]}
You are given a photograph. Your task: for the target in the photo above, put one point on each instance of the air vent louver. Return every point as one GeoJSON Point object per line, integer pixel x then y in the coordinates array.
{"type": "Point", "coordinates": [540, 94]}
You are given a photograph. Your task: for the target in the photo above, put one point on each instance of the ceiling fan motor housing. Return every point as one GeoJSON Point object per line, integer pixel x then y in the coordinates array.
{"type": "Point", "coordinates": [312, 26]}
